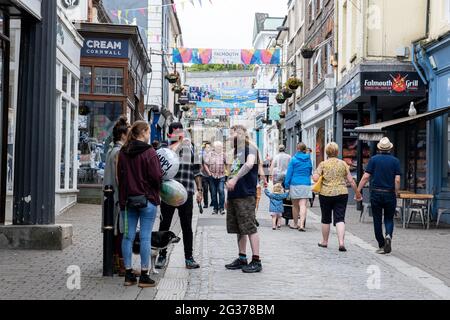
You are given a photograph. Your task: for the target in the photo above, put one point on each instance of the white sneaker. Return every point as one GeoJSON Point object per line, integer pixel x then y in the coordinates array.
{"type": "Point", "coordinates": [380, 251]}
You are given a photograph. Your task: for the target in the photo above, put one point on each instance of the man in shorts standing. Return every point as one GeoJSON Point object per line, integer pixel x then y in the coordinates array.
{"type": "Point", "coordinates": [241, 203]}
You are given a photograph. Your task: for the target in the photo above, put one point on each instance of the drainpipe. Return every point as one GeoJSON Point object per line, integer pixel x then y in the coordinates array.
{"type": "Point", "coordinates": [413, 60]}
{"type": "Point", "coordinates": [427, 27]}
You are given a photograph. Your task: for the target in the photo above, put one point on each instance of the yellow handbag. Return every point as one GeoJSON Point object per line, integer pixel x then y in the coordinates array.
{"type": "Point", "coordinates": [317, 187]}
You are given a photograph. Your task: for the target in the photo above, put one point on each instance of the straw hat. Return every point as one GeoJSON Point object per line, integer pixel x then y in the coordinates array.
{"type": "Point", "coordinates": [385, 144]}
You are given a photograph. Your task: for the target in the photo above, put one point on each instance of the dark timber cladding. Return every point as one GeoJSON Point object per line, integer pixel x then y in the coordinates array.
{"type": "Point", "coordinates": [34, 174]}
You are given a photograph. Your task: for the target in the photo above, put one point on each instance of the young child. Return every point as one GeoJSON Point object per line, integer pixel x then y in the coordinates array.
{"type": "Point", "coordinates": [276, 204]}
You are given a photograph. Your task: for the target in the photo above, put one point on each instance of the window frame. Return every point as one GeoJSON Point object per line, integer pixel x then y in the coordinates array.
{"type": "Point", "coordinates": [109, 77]}
{"type": "Point", "coordinates": [70, 126]}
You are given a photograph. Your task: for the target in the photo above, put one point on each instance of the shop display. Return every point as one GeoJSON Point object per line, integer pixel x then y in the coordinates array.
{"type": "Point", "coordinates": [350, 143]}
{"type": "Point", "coordinates": [173, 193]}
{"type": "Point", "coordinates": [417, 160]}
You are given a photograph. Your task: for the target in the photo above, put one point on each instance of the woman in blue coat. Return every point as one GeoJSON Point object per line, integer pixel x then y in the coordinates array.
{"type": "Point", "coordinates": [298, 184]}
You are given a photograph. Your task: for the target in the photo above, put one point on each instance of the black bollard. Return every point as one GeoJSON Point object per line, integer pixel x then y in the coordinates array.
{"type": "Point", "coordinates": [108, 231]}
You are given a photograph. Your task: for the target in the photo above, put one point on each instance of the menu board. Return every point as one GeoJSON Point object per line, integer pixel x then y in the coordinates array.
{"type": "Point", "coordinates": [350, 143]}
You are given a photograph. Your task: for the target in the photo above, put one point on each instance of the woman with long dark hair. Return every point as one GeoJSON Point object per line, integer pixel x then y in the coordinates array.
{"type": "Point", "coordinates": [140, 178]}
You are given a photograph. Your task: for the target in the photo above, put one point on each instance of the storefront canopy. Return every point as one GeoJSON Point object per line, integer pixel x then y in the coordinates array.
{"type": "Point", "coordinates": [375, 132]}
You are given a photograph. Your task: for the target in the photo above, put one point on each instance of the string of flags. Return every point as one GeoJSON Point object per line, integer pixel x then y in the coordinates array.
{"type": "Point", "coordinates": [155, 8]}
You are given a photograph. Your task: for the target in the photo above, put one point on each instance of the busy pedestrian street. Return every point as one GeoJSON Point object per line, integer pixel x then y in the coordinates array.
{"type": "Point", "coordinates": [294, 267]}
{"type": "Point", "coordinates": [196, 154]}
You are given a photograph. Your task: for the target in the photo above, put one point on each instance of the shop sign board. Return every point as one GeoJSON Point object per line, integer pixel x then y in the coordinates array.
{"type": "Point", "coordinates": [259, 121]}
{"type": "Point", "coordinates": [394, 83]}
{"type": "Point", "coordinates": [349, 92]}
{"type": "Point", "coordinates": [105, 48]}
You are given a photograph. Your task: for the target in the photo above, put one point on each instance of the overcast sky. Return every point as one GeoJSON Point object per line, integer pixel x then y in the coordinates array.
{"type": "Point", "coordinates": [224, 24]}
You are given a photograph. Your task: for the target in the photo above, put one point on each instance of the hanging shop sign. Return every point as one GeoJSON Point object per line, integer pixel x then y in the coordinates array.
{"type": "Point", "coordinates": [392, 83]}
{"type": "Point", "coordinates": [224, 105]}
{"type": "Point", "coordinates": [259, 121]}
{"type": "Point", "coordinates": [227, 56]}
{"type": "Point", "coordinates": [106, 48]}
{"type": "Point", "coordinates": [76, 10]}
{"type": "Point", "coordinates": [274, 113]}
{"type": "Point", "coordinates": [265, 94]}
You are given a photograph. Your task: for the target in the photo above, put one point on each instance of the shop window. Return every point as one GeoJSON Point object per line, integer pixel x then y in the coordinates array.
{"type": "Point", "coordinates": [96, 121]}
{"type": "Point", "coordinates": [72, 158]}
{"type": "Point", "coordinates": [62, 171]}
{"type": "Point", "coordinates": [446, 167]}
{"type": "Point", "coordinates": [73, 86]}
{"type": "Point", "coordinates": [109, 81]}
{"type": "Point", "coordinates": [86, 80]}
{"type": "Point", "coordinates": [65, 80]}
{"type": "Point", "coordinates": [417, 158]}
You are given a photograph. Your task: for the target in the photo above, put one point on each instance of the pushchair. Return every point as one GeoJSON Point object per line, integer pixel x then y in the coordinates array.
{"type": "Point", "coordinates": [287, 214]}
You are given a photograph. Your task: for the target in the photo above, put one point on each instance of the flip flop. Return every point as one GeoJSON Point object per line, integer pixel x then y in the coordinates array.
{"type": "Point", "coordinates": [322, 246]}
{"type": "Point", "coordinates": [291, 227]}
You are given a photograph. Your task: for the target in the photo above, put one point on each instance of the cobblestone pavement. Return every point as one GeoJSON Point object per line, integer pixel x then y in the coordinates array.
{"type": "Point", "coordinates": [296, 268]}
{"type": "Point", "coordinates": [424, 249]}
{"type": "Point", "coordinates": [43, 274]}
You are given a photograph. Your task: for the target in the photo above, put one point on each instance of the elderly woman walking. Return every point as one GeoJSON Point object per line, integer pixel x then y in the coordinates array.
{"type": "Point", "coordinates": [333, 197]}
{"type": "Point", "coordinates": [298, 184]}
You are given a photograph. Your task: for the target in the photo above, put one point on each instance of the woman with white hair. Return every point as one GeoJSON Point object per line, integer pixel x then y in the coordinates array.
{"type": "Point", "coordinates": [215, 167]}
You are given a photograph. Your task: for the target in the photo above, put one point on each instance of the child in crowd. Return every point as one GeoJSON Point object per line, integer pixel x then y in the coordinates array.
{"type": "Point", "coordinates": [276, 204]}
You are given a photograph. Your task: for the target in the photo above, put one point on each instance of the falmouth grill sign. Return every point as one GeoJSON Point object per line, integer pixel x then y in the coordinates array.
{"type": "Point", "coordinates": [392, 83]}
{"type": "Point", "coordinates": [108, 48]}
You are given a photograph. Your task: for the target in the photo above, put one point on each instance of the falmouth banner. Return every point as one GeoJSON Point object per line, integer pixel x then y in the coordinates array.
{"type": "Point", "coordinates": [227, 56]}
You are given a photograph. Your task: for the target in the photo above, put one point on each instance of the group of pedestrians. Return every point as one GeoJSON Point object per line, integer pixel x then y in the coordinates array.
{"type": "Point", "coordinates": [134, 171]}
{"type": "Point", "coordinates": [332, 177]}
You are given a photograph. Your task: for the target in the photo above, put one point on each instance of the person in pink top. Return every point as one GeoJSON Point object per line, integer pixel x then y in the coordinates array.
{"type": "Point", "coordinates": [214, 166]}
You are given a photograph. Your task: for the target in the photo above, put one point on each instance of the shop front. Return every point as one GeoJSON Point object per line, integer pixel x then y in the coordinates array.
{"type": "Point", "coordinates": [374, 94]}
{"type": "Point", "coordinates": [317, 123]}
{"type": "Point", "coordinates": [434, 63]}
{"type": "Point", "coordinates": [114, 66]}
{"type": "Point", "coordinates": [292, 131]}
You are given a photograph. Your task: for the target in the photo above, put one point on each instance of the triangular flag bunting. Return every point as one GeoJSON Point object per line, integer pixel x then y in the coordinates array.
{"type": "Point", "coordinates": [174, 6]}
{"type": "Point", "coordinates": [192, 2]}
{"type": "Point", "coordinates": [200, 1]}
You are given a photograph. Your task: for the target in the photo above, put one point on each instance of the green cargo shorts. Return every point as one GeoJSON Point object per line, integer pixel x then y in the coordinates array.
{"type": "Point", "coordinates": [241, 216]}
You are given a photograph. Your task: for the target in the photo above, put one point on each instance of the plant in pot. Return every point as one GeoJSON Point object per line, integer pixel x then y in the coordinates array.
{"type": "Point", "coordinates": [287, 93]}
{"type": "Point", "coordinates": [172, 77]}
{"type": "Point", "coordinates": [185, 108]}
{"type": "Point", "coordinates": [280, 98]}
{"type": "Point", "coordinates": [282, 114]}
{"type": "Point", "coordinates": [294, 83]}
{"type": "Point", "coordinates": [307, 52]}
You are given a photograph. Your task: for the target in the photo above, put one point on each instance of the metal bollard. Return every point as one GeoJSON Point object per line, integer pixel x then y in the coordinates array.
{"type": "Point", "coordinates": [108, 231]}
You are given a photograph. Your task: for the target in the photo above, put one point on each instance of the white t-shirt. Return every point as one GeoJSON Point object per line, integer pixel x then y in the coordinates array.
{"type": "Point", "coordinates": [281, 163]}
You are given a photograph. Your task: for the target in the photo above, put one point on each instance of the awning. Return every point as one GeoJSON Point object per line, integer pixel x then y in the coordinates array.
{"type": "Point", "coordinates": [375, 132]}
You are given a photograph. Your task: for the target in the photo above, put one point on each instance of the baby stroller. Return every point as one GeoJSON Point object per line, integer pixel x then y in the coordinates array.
{"type": "Point", "coordinates": [287, 214]}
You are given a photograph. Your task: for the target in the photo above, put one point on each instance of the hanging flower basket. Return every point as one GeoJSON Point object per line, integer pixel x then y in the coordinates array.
{"type": "Point", "coordinates": [172, 77]}
{"type": "Point", "coordinates": [287, 93]}
{"type": "Point", "coordinates": [282, 115]}
{"type": "Point", "coordinates": [178, 89]}
{"type": "Point", "coordinates": [307, 53]}
{"type": "Point", "coordinates": [280, 98]}
{"type": "Point", "coordinates": [185, 108]}
{"type": "Point", "coordinates": [294, 83]}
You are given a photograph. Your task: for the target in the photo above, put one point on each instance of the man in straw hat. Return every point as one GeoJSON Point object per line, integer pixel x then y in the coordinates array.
{"type": "Point", "coordinates": [383, 171]}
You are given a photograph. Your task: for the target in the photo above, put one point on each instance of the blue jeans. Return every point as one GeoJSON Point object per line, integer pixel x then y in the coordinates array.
{"type": "Point", "coordinates": [146, 219]}
{"type": "Point", "coordinates": [387, 202]}
{"type": "Point", "coordinates": [217, 187]}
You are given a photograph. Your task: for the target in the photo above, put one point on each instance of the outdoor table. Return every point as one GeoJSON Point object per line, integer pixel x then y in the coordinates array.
{"type": "Point", "coordinates": [407, 200]}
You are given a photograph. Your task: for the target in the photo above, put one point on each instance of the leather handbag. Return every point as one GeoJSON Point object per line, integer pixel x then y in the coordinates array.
{"type": "Point", "coordinates": [137, 202]}
{"type": "Point", "coordinates": [317, 187]}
